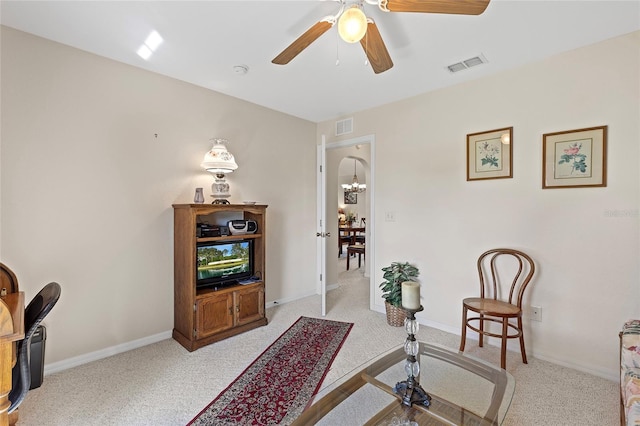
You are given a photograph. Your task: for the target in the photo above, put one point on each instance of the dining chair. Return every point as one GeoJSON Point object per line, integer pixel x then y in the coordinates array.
{"type": "Point", "coordinates": [500, 270]}
{"type": "Point", "coordinates": [343, 238]}
{"type": "Point", "coordinates": [360, 236]}
{"type": "Point", "coordinates": [354, 249]}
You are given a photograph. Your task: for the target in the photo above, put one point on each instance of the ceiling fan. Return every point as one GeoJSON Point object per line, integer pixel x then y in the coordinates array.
{"type": "Point", "coordinates": [354, 26]}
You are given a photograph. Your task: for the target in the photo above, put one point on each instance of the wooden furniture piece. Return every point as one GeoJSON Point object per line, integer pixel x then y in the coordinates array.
{"type": "Point", "coordinates": [204, 316]}
{"type": "Point", "coordinates": [355, 249]}
{"type": "Point", "coordinates": [8, 279]}
{"type": "Point", "coordinates": [351, 231]}
{"type": "Point", "coordinates": [496, 268]}
{"type": "Point", "coordinates": [11, 331]}
{"type": "Point", "coordinates": [464, 391]}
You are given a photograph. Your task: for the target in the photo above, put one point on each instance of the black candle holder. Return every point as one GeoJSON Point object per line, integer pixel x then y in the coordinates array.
{"type": "Point", "coordinates": [410, 390]}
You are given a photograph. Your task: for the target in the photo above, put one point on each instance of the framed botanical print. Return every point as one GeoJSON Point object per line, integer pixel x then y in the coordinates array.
{"type": "Point", "coordinates": [575, 158]}
{"type": "Point", "coordinates": [489, 154]}
{"type": "Point", "coordinates": [350, 197]}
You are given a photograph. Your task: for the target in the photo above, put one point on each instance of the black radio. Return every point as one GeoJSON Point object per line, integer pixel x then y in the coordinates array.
{"type": "Point", "coordinates": [204, 230]}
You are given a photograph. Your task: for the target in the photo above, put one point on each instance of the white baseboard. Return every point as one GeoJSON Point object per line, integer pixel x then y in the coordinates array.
{"type": "Point", "coordinates": [471, 335]}
{"type": "Point", "coordinates": [590, 369]}
{"type": "Point", "coordinates": [273, 303]}
{"type": "Point", "coordinates": [104, 353]}
{"type": "Point", "coordinates": [56, 367]}
{"type": "Point", "coordinates": [124, 347]}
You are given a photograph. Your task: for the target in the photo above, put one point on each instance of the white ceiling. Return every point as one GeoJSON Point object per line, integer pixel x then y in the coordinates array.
{"type": "Point", "coordinates": [204, 40]}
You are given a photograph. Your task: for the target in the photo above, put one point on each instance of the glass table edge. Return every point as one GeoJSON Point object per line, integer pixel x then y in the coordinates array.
{"type": "Point", "coordinates": [447, 354]}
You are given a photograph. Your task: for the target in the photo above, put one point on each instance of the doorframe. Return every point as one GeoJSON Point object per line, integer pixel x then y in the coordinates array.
{"type": "Point", "coordinates": [371, 221]}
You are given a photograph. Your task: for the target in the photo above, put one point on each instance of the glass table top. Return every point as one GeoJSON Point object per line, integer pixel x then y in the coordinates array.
{"type": "Point", "coordinates": [463, 389]}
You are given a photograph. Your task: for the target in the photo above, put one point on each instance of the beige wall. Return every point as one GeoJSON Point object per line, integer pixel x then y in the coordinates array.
{"type": "Point", "coordinates": [86, 192]}
{"type": "Point", "coordinates": [585, 241]}
{"type": "Point", "coordinates": [87, 187]}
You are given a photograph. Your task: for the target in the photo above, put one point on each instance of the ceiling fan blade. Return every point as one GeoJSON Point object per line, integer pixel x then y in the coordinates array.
{"type": "Point", "coordinates": [375, 49]}
{"type": "Point", "coordinates": [302, 42]}
{"type": "Point", "coordinates": [461, 7]}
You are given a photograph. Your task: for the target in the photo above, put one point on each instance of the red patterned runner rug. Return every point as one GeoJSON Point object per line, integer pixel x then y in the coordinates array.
{"type": "Point", "coordinates": [281, 382]}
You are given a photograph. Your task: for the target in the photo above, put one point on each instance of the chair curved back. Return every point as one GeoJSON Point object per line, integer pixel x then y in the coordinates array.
{"type": "Point", "coordinates": [8, 279]}
{"type": "Point", "coordinates": [492, 274]}
{"type": "Point", "coordinates": [35, 312]}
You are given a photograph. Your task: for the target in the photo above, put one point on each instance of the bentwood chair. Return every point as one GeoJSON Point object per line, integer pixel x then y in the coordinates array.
{"type": "Point", "coordinates": [35, 312]}
{"type": "Point", "coordinates": [500, 271]}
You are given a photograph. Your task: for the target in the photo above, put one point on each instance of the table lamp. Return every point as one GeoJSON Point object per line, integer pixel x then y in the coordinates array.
{"type": "Point", "coordinates": [218, 161]}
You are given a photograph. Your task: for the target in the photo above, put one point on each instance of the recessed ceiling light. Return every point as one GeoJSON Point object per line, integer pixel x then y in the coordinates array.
{"type": "Point", "coordinates": [150, 45]}
{"type": "Point", "coordinates": [144, 52]}
{"type": "Point", "coordinates": [153, 41]}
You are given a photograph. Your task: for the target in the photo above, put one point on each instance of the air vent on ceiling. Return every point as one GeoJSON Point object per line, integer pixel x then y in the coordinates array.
{"type": "Point", "coordinates": [344, 127]}
{"type": "Point", "coordinates": [467, 63]}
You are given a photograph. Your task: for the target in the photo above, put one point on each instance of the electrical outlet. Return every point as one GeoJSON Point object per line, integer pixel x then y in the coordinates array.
{"type": "Point", "coordinates": [536, 313]}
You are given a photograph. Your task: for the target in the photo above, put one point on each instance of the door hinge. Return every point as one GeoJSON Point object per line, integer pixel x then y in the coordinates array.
{"type": "Point", "coordinates": [320, 168]}
{"type": "Point", "coordinates": [195, 333]}
{"type": "Point", "coordinates": [320, 277]}
{"type": "Point", "coordinates": [195, 309]}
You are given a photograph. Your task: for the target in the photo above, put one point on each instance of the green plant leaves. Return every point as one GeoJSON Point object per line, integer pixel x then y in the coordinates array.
{"type": "Point", "coordinates": [394, 275]}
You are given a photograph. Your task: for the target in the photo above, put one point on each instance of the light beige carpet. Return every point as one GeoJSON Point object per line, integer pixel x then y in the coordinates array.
{"type": "Point", "coordinates": [163, 384]}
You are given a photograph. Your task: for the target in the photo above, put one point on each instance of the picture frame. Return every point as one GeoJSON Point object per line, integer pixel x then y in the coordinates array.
{"type": "Point", "coordinates": [350, 197]}
{"type": "Point", "coordinates": [575, 158]}
{"type": "Point", "coordinates": [490, 154]}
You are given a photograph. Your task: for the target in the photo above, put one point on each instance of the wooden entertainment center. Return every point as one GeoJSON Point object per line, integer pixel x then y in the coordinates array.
{"type": "Point", "coordinates": [203, 316]}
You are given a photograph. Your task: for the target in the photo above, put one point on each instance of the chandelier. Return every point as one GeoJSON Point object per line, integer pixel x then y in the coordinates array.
{"type": "Point", "coordinates": [355, 186]}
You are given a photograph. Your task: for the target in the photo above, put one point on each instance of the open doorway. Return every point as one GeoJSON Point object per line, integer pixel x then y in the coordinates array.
{"type": "Point", "coordinates": [353, 208]}
{"type": "Point", "coordinates": [341, 160]}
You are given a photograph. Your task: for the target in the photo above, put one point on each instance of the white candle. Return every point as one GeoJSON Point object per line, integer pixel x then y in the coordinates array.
{"type": "Point", "coordinates": [411, 295]}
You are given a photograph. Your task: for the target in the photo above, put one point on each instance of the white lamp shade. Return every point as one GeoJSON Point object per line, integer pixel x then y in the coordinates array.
{"type": "Point", "coordinates": [218, 159]}
{"type": "Point", "coordinates": [352, 24]}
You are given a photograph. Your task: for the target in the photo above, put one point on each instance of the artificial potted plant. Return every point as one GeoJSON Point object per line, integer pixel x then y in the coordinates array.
{"type": "Point", "coordinates": [394, 275]}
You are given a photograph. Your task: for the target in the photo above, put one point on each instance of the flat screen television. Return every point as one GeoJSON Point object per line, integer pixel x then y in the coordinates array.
{"type": "Point", "coordinates": [220, 263]}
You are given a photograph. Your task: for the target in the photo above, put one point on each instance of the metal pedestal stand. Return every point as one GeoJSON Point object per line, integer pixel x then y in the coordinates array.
{"type": "Point", "coordinates": [410, 390]}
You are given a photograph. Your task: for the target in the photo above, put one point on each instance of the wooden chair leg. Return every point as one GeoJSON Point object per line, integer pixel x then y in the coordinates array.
{"type": "Point", "coordinates": [503, 348]}
{"type": "Point", "coordinates": [481, 336]}
{"type": "Point", "coordinates": [348, 256]}
{"type": "Point", "coordinates": [359, 259]}
{"type": "Point", "coordinates": [463, 336]}
{"type": "Point", "coordinates": [522, 350]}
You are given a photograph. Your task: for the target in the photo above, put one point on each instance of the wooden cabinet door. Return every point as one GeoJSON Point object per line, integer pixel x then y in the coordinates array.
{"type": "Point", "coordinates": [214, 314]}
{"type": "Point", "coordinates": [249, 304]}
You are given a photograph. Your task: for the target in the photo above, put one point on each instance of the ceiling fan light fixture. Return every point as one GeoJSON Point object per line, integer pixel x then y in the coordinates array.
{"type": "Point", "coordinates": [352, 24]}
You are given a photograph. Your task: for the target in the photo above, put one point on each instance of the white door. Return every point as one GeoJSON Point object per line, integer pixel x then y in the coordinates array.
{"type": "Point", "coordinates": [321, 228]}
